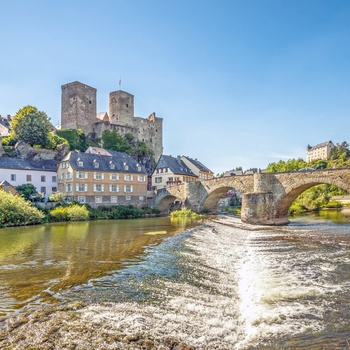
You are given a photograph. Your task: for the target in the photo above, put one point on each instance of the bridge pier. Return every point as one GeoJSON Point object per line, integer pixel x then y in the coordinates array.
{"type": "Point", "coordinates": [258, 209]}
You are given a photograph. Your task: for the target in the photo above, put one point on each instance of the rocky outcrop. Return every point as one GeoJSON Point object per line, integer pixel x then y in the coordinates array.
{"type": "Point", "coordinates": [25, 151]}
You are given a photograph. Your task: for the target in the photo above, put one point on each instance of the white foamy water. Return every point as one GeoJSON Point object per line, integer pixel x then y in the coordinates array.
{"type": "Point", "coordinates": [225, 285]}
{"type": "Point", "coordinates": [243, 289]}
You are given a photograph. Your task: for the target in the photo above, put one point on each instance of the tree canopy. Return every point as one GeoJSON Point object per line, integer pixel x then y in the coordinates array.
{"type": "Point", "coordinates": [31, 125]}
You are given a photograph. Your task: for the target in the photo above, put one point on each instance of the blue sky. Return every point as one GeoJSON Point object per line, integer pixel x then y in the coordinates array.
{"type": "Point", "coordinates": [238, 83]}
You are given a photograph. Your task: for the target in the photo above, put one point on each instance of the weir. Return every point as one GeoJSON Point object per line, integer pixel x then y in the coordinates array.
{"type": "Point", "coordinates": [266, 197]}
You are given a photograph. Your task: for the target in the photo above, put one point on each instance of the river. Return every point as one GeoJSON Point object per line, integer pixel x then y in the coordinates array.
{"type": "Point", "coordinates": [153, 284]}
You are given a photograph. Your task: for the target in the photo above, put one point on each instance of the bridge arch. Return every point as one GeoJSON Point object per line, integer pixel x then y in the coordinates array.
{"type": "Point", "coordinates": [215, 190]}
{"type": "Point", "coordinates": [293, 190]}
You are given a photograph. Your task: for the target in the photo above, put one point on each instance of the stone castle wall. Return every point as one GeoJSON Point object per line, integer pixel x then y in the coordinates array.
{"type": "Point", "coordinates": [78, 107]}
{"type": "Point", "coordinates": [79, 112]}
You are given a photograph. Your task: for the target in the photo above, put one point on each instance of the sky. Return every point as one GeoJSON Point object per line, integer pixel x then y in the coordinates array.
{"type": "Point", "coordinates": [237, 83]}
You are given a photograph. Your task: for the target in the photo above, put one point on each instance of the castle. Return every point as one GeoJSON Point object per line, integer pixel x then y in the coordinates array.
{"type": "Point", "coordinates": [78, 111]}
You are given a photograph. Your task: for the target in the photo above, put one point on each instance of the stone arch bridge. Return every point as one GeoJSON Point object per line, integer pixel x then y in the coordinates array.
{"type": "Point", "coordinates": [266, 197]}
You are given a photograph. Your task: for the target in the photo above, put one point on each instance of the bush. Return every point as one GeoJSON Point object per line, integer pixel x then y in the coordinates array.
{"type": "Point", "coordinates": [184, 213]}
{"type": "Point", "coordinates": [77, 213]}
{"type": "Point", "coordinates": [16, 211]}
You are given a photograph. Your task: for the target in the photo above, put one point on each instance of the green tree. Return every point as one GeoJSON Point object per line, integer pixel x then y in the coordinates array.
{"type": "Point", "coordinates": [113, 141]}
{"type": "Point", "coordinates": [27, 191]}
{"type": "Point", "coordinates": [31, 125]}
{"type": "Point", "coordinates": [76, 139]}
{"type": "Point", "coordinates": [340, 151]}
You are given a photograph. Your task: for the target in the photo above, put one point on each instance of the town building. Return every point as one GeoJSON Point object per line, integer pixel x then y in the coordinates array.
{"type": "Point", "coordinates": [171, 170]}
{"type": "Point", "coordinates": [7, 187]}
{"type": "Point", "coordinates": [79, 111]}
{"type": "Point", "coordinates": [320, 151]}
{"type": "Point", "coordinates": [100, 179]}
{"type": "Point", "coordinates": [198, 168]}
{"type": "Point", "coordinates": [42, 174]}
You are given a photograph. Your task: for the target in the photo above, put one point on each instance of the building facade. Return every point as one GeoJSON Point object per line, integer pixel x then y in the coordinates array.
{"type": "Point", "coordinates": [41, 174]}
{"type": "Point", "coordinates": [171, 171]}
{"type": "Point", "coordinates": [96, 179]}
{"type": "Point", "coordinates": [78, 111]}
{"type": "Point", "coordinates": [198, 168]}
{"type": "Point", "coordinates": [320, 151]}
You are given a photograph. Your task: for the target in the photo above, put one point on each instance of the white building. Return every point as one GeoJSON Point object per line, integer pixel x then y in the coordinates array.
{"type": "Point", "coordinates": [42, 174]}
{"type": "Point", "coordinates": [320, 151]}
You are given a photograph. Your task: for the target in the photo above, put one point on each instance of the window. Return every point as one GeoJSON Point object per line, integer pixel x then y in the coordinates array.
{"type": "Point", "coordinates": [128, 177]}
{"type": "Point", "coordinates": [43, 178]}
{"type": "Point", "coordinates": [68, 187]}
{"type": "Point", "coordinates": [141, 198]}
{"type": "Point", "coordinates": [96, 164]}
{"type": "Point", "coordinates": [13, 177]}
{"type": "Point", "coordinates": [99, 176]}
{"type": "Point", "coordinates": [81, 199]}
{"type": "Point", "coordinates": [69, 175]}
{"type": "Point", "coordinates": [29, 178]}
{"type": "Point", "coordinates": [98, 199]}
{"type": "Point", "coordinates": [81, 175]}
{"type": "Point", "coordinates": [114, 199]}
{"type": "Point", "coordinates": [112, 166]}
{"type": "Point", "coordinates": [43, 190]}
{"type": "Point", "coordinates": [138, 167]}
{"type": "Point", "coordinates": [128, 188]}
{"type": "Point", "coordinates": [54, 189]}
{"type": "Point", "coordinates": [126, 166]}
{"type": "Point", "coordinates": [113, 188]}
{"type": "Point", "coordinates": [80, 163]}
{"type": "Point", "coordinates": [98, 188]}
{"type": "Point", "coordinates": [128, 198]}
{"type": "Point", "coordinates": [64, 165]}
{"type": "Point", "coordinates": [54, 179]}
{"type": "Point", "coordinates": [62, 176]}
{"type": "Point", "coordinates": [114, 177]}
{"type": "Point", "coordinates": [81, 187]}
{"type": "Point", "coordinates": [158, 179]}
{"type": "Point", "coordinates": [141, 178]}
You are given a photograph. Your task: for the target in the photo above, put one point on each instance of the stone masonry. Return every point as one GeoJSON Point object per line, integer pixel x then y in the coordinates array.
{"type": "Point", "coordinates": [79, 112]}
{"type": "Point", "coordinates": [266, 197]}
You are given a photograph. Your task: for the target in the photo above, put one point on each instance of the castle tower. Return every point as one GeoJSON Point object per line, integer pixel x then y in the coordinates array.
{"type": "Point", "coordinates": [121, 108]}
{"type": "Point", "coordinates": [78, 107]}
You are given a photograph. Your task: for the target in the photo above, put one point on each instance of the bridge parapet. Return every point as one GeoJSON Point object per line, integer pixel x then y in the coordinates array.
{"type": "Point", "coordinates": [266, 197]}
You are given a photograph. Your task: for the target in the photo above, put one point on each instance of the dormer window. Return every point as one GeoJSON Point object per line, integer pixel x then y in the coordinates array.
{"type": "Point", "coordinates": [80, 162]}
{"type": "Point", "coordinates": [111, 165]}
{"type": "Point", "coordinates": [96, 164]}
{"type": "Point", "coordinates": [126, 166]}
{"type": "Point", "coordinates": [138, 167]}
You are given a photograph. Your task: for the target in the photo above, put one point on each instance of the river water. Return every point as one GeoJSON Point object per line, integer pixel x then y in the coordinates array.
{"type": "Point", "coordinates": [156, 285]}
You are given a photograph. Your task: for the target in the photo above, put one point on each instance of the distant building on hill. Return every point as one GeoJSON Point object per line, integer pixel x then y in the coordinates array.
{"type": "Point", "coordinates": [320, 151]}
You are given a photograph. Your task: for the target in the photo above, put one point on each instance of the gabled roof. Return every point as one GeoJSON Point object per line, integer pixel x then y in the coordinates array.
{"type": "Point", "coordinates": [104, 161]}
{"type": "Point", "coordinates": [198, 164]}
{"type": "Point", "coordinates": [176, 165]}
{"type": "Point", "coordinates": [23, 164]}
{"type": "Point", "coordinates": [103, 116]}
{"type": "Point", "coordinates": [4, 183]}
{"type": "Point", "coordinates": [320, 145]}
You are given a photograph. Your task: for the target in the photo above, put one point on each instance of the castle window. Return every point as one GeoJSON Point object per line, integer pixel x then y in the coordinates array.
{"type": "Point", "coordinates": [90, 101]}
{"type": "Point", "coordinates": [127, 105]}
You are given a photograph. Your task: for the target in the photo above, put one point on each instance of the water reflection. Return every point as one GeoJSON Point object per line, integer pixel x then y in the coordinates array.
{"type": "Point", "coordinates": [38, 261]}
